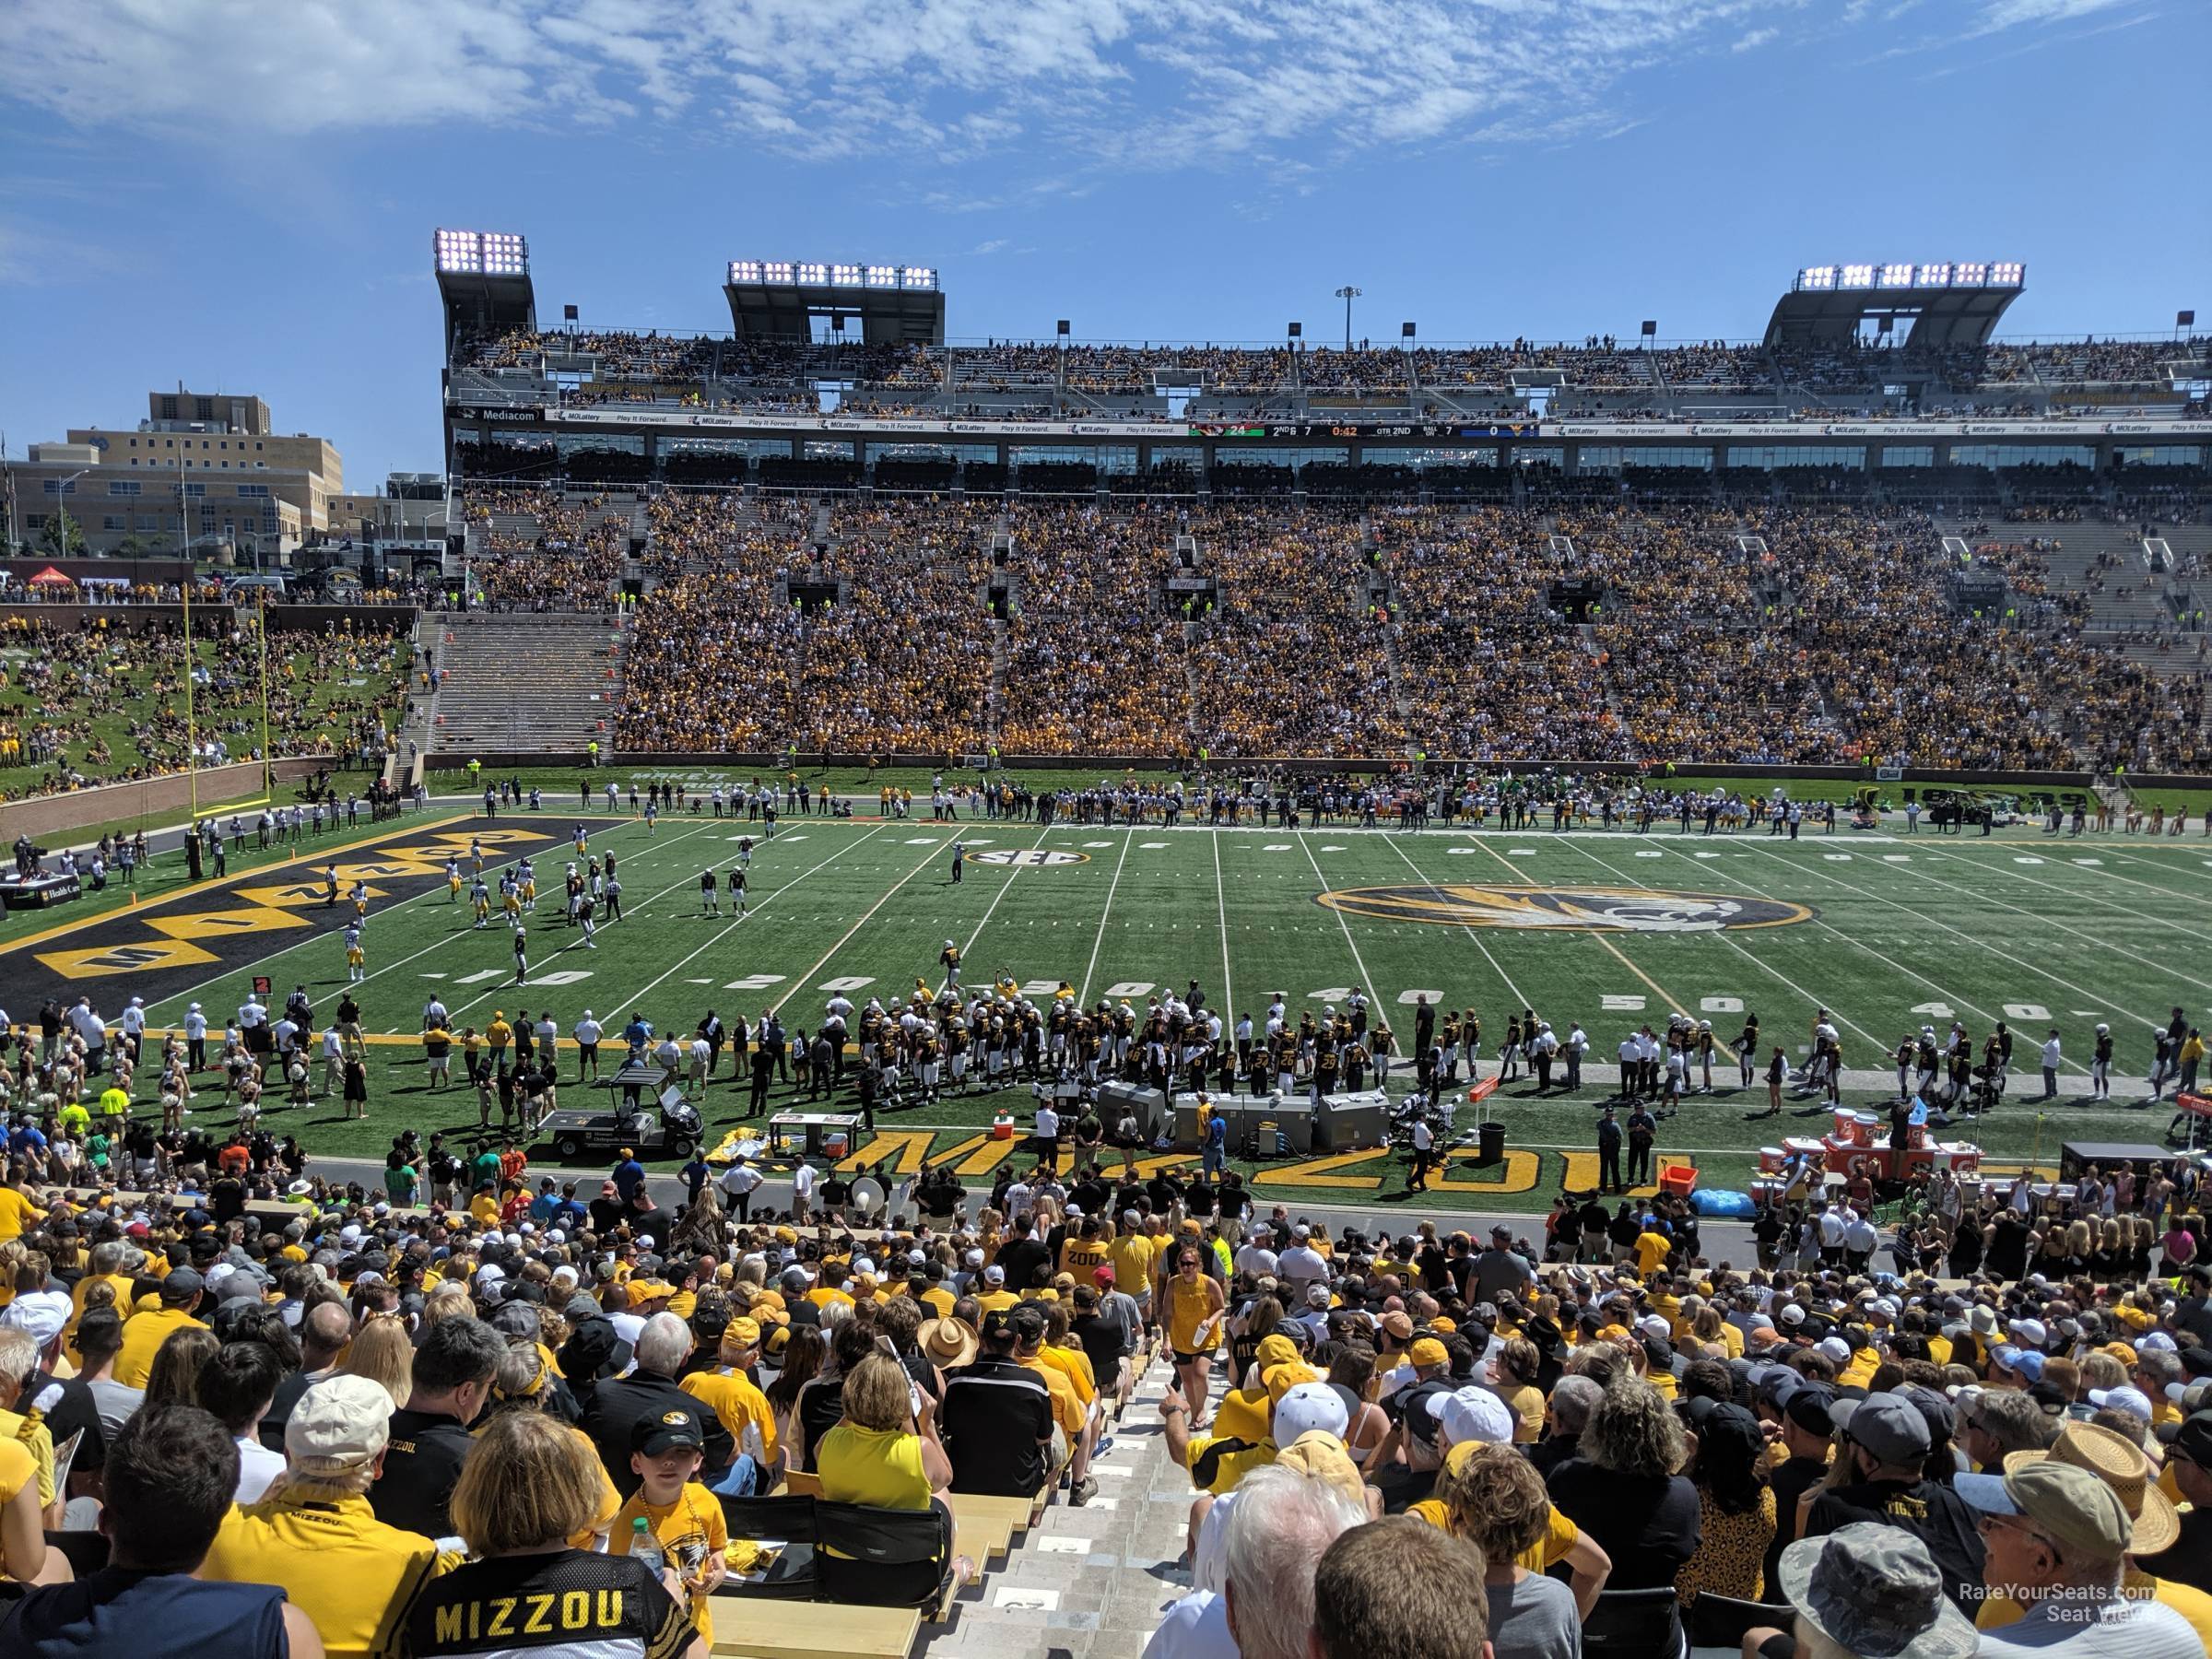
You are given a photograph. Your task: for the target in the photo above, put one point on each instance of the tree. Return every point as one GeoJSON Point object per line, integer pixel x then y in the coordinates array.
{"type": "Point", "coordinates": [51, 536]}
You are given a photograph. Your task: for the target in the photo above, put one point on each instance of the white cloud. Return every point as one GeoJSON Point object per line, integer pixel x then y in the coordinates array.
{"type": "Point", "coordinates": [2009, 14]}
{"type": "Point", "coordinates": [1070, 83]}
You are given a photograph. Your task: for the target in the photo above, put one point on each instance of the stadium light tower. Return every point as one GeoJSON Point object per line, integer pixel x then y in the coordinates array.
{"type": "Point", "coordinates": [1348, 294]}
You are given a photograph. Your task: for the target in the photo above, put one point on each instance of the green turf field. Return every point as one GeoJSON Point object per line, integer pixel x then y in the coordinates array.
{"type": "Point", "coordinates": [1888, 933]}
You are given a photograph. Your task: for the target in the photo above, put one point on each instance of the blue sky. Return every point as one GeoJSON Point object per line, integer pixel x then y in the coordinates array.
{"type": "Point", "coordinates": [239, 194]}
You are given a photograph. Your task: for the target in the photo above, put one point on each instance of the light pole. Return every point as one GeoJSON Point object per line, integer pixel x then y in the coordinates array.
{"type": "Point", "coordinates": [1348, 294]}
{"type": "Point", "coordinates": [61, 497]}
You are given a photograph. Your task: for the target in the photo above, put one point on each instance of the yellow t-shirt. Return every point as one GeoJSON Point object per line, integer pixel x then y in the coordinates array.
{"type": "Point", "coordinates": [1559, 1536]}
{"type": "Point", "coordinates": [36, 1442]}
{"type": "Point", "coordinates": [1082, 1257]}
{"type": "Point", "coordinates": [17, 1469]}
{"type": "Point", "coordinates": [991, 1301]}
{"type": "Point", "coordinates": [939, 1301]}
{"type": "Point", "coordinates": [688, 1530]}
{"type": "Point", "coordinates": [1189, 1306]}
{"type": "Point", "coordinates": [1861, 1370]}
{"type": "Point", "coordinates": [1229, 1466]}
{"type": "Point", "coordinates": [731, 1397]}
{"type": "Point", "coordinates": [1527, 1404]}
{"type": "Point", "coordinates": [881, 1467]}
{"type": "Point", "coordinates": [1077, 1364]}
{"type": "Point", "coordinates": [355, 1577]}
{"type": "Point", "coordinates": [83, 1288]}
{"type": "Point", "coordinates": [1068, 1412]}
{"type": "Point", "coordinates": [16, 1213]}
{"type": "Point", "coordinates": [142, 1334]}
{"type": "Point", "coordinates": [1650, 1250]}
{"type": "Point", "coordinates": [1132, 1256]}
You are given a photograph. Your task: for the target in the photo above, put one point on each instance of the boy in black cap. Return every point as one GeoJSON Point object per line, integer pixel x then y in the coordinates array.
{"type": "Point", "coordinates": [682, 1516]}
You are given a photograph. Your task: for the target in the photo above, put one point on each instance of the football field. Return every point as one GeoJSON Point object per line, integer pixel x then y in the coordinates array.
{"type": "Point", "coordinates": [1889, 931]}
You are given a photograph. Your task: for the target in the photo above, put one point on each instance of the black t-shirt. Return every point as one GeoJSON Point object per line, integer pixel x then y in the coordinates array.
{"type": "Point", "coordinates": [2189, 1562]}
{"type": "Point", "coordinates": [1649, 1525]}
{"type": "Point", "coordinates": [1021, 1259]}
{"type": "Point", "coordinates": [1934, 1514]}
{"type": "Point", "coordinates": [74, 1409]}
{"type": "Point", "coordinates": [568, 1605]}
{"type": "Point", "coordinates": [1101, 1340]}
{"type": "Point", "coordinates": [821, 1408]}
{"type": "Point", "coordinates": [421, 1462]}
{"type": "Point", "coordinates": [1790, 1481]}
{"type": "Point", "coordinates": [995, 1418]}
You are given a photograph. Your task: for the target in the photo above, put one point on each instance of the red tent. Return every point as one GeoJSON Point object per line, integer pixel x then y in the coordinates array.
{"type": "Point", "coordinates": [50, 577]}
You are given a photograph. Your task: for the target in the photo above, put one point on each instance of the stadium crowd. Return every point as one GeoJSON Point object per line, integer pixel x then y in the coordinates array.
{"type": "Point", "coordinates": [243, 1405]}
{"type": "Point", "coordinates": [1765, 631]}
{"type": "Point", "coordinates": [894, 660]}
{"type": "Point", "coordinates": [95, 705]}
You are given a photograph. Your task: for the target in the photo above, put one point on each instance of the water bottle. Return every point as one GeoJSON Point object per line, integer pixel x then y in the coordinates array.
{"type": "Point", "coordinates": [645, 1548]}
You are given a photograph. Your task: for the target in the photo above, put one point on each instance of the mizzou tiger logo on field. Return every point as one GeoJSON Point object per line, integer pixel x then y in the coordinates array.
{"type": "Point", "coordinates": [1598, 910]}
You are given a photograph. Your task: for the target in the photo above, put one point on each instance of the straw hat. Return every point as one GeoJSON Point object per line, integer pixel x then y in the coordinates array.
{"type": "Point", "coordinates": [946, 1342]}
{"type": "Point", "coordinates": [2121, 1464]}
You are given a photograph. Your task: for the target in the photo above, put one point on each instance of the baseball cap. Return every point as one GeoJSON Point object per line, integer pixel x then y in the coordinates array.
{"type": "Point", "coordinates": [1471, 1414]}
{"type": "Point", "coordinates": [1811, 1406]}
{"type": "Point", "coordinates": [659, 1431]}
{"type": "Point", "coordinates": [1428, 1350]}
{"type": "Point", "coordinates": [2133, 1401]}
{"type": "Point", "coordinates": [339, 1425]}
{"type": "Point", "coordinates": [2029, 1331]}
{"type": "Point", "coordinates": [2025, 1362]}
{"type": "Point", "coordinates": [2191, 1438]}
{"type": "Point", "coordinates": [43, 1314]}
{"type": "Point", "coordinates": [2083, 1514]}
{"type": "Point", "coordinates": [1307, 1407]}
{"type": "Point", "coordinates": [181, 1282]}
{"type": "Point", "coordinates": [1887, 1425]}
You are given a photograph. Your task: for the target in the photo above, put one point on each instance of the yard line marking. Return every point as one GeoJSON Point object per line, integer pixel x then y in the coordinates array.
{"type": "Point", "coordinates": [1083, 995]}
{"type": "Point", "coordinates": [464, 933]}
{"type": "Point", "coordinates": [2148, 886]}
{"type": "Point", "coordinates": [248, 967]}
{"type": "Point", "coordinates": [967, 950]}
{"type": "Point", "coordinates": [2075, 893]}
{"type": "Point", "coordinates": [1897, 967]}
{"type": "Point", "coordinates": [1620, 956]}
{"type": "Point", "coordinates": [1229, 994]}
{"type": "Point", "coordinates": [263, 869]}
{"type": "Point", "coordinates": [681, 882]}
{"type": "Point", "coordinates": [1496, 965]}
{"type": "Point", "coordinates": [1759, 962]}
{"type": "Point", "coordinates": [799, 983]}
{"type": "Point", "coordinates": [1365, 979]}
{"type": "Point", "coordinates": [1964, 938]}
{"type": "Point", "coordinates": [722, 931]}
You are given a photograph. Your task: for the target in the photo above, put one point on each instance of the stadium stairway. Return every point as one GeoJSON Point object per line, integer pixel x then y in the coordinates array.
{"type": "Point", "coordinates": [1088, 1583]}
{"type": "Point", "coordinates": [526, 680]}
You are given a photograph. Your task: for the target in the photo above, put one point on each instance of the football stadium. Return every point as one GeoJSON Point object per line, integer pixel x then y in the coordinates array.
{"type": "Point", "coordinates": [852, 990]}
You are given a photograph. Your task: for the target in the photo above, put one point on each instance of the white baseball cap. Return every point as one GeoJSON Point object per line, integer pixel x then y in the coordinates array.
{"type": "Point", "coordinates": [1306, 1406]}
{"type": "Point", "coordinates": [1471, 1414]}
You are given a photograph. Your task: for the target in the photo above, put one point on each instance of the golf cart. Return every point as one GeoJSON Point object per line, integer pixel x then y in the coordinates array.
{"type": "Point", "coordinates": [651, 1116]}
